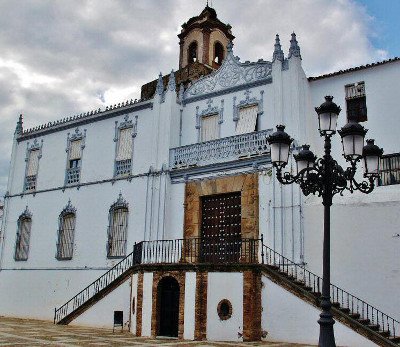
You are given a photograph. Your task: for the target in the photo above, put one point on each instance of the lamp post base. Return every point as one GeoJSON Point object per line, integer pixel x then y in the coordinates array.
{"type": "Point", "coordinates": [326, 335]}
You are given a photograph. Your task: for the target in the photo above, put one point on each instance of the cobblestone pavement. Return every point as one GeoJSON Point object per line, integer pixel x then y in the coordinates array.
{"type": "Point", "coordinates": [24, 332]}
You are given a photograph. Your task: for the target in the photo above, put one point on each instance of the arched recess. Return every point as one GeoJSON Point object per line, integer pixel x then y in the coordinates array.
{"type": "Point", "coordinates": [168, 307]}
{"type": "Point", "coordinates": [218, 54]}
{"type": "Point", "coordinates": [66, 232]}
{"type": "Point", "coordinates": [117, 228]}
{"type": "Point", "coordinates": [193, 52]}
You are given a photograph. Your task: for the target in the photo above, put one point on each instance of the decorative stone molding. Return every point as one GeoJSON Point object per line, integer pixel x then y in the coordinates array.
{"type": "Point", "coordinates": [77, 135]}
{"type": "Point", "coordinates": [68, 209]}
{"type": "Point", "coordinates": [120, 203]}
{"type": "Point", "coordinates": [210, 110]}
{"type": "Point", "coordinates": [179, 276]}
{"type": "Point", "coordinates": [26, 214]}
{"type": "Point", "coordinates": [232, 73]}
{"type": "Point", "coordinates": [248, 101]}
{"type": "Point", "coordinates": [247, 184]}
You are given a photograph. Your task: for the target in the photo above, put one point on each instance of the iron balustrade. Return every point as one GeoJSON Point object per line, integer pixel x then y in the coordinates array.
{"type": "Point", "coordinates": [221, 150]}
{"type": "Point", "coordinates": [346, 302]}
{"type": "Point", "coordinates": [389, 172]}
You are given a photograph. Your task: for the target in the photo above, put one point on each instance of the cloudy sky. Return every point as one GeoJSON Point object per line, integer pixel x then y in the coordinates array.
{"type": "Point", "coordinates": [60, 58]}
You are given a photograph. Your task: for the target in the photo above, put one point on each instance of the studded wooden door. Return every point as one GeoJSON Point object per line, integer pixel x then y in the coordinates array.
{"type": "Point", "coordinates": [221, 228]}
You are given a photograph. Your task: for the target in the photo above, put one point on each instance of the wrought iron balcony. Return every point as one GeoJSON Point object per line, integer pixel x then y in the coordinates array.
{"type": "Point", "coordinates": [220, 151]}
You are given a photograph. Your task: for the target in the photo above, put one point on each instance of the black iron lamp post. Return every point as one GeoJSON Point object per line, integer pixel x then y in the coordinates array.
{"type": "Point", "coordinates": [325, 177]}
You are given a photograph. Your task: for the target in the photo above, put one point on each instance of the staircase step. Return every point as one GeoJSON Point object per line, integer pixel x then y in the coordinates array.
{"type": "Point", "coordinates": [385, 333]}
{"type": "Point", "coordinates": [394, 339]}
{"type": "Point", "coordinates": [344, 310]}
{"type": "Point", "coordinates": [354, 315]}
{"type": "Point", "coordinates": [364, 321]}
{"type": "Point", "coordinates": [374, 327]}
{"type": "Point", "coordinates": [317, 294]}
{"type": "Point", "coordinates": [336, 304]}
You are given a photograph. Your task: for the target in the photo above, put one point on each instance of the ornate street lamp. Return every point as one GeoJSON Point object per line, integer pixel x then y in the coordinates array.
{"type": "Point", "coordinates": [325, 177]}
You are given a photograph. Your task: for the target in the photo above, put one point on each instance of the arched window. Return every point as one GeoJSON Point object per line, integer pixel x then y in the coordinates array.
{"type": "Point", "coordinates": [192, 52]}
{"type": "Point", "coordinates": [66, 232]}
{"type": "Point", "coordinates": [117, 228]}
{"type": "Point", "coordinates": [218, 53]}
{"type": "Point", "coordinates": [23, 235]}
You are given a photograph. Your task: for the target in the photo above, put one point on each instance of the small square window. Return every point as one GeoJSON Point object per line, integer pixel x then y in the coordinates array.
{"type": "Point", "coordinates": [356, 102]}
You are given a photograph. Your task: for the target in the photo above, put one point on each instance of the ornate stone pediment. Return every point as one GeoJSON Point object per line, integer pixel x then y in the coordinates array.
{"type": "Point", "coordinates": [231, 74]}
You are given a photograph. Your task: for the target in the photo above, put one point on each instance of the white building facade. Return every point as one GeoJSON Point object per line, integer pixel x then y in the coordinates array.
{"type": "Point", "coordinates": [168, 207]}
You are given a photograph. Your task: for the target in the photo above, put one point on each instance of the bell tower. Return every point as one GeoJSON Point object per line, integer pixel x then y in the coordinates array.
{"type": "Point", "coordinates": [204, 39]}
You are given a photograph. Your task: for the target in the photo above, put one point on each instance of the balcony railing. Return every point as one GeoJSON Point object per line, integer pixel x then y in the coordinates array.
{"type": "Point", "coordinates": [222, 150]}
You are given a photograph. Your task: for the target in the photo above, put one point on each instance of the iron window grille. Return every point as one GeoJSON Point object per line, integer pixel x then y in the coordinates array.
{"type": "Point", "coordinates": [117, 229]}
{"type": "Point", "coordinates": [33, 155]}
{"type": "Point", "coordinates": [23, 236]}
{"type": "Point", "coordinates": [75, 146]}
{"type": "Point", "coordinates": [356, 102]}
{"type": "Point", "coordinates": [389, 170]}
{"type": "Point", "coordinates": [66, 233]}
{"type": "Point", "coordinates": [125, 133]}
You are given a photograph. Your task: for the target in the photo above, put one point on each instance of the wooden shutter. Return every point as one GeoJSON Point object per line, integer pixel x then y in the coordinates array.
{"type": "Point", "coordinates": [33, 163]}
{"type": "Point", "coordinates": [75, 150]}
{"type": "Point", "coordinates": [209, 128]}
{"type": "Point", "coordinates": [247, 119]}
{"type": "Point", "coordinates": [124, 150]}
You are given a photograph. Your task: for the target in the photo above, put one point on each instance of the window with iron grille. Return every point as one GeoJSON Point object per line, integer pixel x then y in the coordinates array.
{"type": "Point", "coordinates": [33, 155]}
{"type": "Point", "coordinates": [23, 235]}
{"type": "Point", "coordinates": [389, 169]}
{"type": "Point", "coordinates": [117, 229]}
{"type": "Point", "coordinates": [125, 132]}
{"type": "Point", "coordinates": [123, 160]}
{"type": "Point", "coordinates": [66, 232]}
{"type": "Point", "coordinates": [356, 102]}
{"type": "Point", "coordinates": [74, 162]}
{"type": "Point", "coordinates": [75, 146]}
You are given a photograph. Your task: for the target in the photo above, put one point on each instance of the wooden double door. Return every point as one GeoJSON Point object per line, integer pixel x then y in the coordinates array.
{"type": "Point", "coordinates": [220, 228]}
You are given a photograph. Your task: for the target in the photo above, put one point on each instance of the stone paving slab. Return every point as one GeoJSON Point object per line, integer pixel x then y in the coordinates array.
{"type": "Point", "coordinates": [28, 332]}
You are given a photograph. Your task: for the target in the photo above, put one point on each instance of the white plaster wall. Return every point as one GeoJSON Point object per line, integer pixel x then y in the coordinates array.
{"type": "Point", "coordinates": [147, 303]}
{"type": "Point", "coordinates": [224, 285]}
{"type": "Point", "coordinates": [189, 312]}
{"type": "Point", "coordinates": [101, 314]}
{"type": "Point", "coordinates": [364, 253]}
{"type": "Point", "coordinates": [381, 97]}
{"type": "Point", "coordinates": [35, 293]}
{"type": "Point", "coordinates": [134, 303]}
{"type": "Point", "coordinates": [286, 318]}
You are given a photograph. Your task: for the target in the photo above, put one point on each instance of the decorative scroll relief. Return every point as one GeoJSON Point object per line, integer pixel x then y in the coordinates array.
{"type": "Point", "coordinates": [232, 73]}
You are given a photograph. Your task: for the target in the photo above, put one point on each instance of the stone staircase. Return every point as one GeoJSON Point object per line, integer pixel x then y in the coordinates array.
{"type": "Point", "coordinates": [346, 308]}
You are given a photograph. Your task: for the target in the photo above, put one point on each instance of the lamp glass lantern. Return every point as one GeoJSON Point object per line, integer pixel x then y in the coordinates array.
{"type": "Point", "coordinates": [371, 154]}
{"type": "Point", "coordinates": [352, 140]}
{"type": "Point", "coordinates": [305, 159]}
{"type": "Point", "coordinates": [280, 143]}
{"type": "Point", "coordinates": [328, 114]}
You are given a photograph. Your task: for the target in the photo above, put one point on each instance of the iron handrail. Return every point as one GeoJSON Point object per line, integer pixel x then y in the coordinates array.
{"type": "Point", "coordinates": [191, 250]}
{"type": "Point", "coordinates": [340, 298]}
